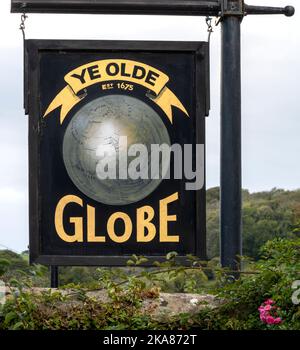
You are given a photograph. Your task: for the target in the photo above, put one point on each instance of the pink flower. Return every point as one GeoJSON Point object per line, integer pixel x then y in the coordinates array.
{"type": "Point", "coordinates": [268, 314]}
{"type": "Point", "coordinates": [262, 317]}
{"type": "Point", "coordinates": [270, 320]}
{"type": "Point", "coordinates": [277, 320]}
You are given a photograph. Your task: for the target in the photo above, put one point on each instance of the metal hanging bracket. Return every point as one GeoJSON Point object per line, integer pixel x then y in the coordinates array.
{"type": "Point", "coordinates": [210, 29]}
{"type": "Point", "coordinates": [232, 8]}
{"type": "Point", "coordinates": [25, 78]}
{"type": "Point", "coordinates": [22, 24]}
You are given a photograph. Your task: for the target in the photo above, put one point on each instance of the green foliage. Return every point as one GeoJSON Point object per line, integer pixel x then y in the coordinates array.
{"type": "Point", "coordinates": [74, 311]}
{"type": "Point", "coordinates": [56, 311]}
{"type": "Point", "coordinates": [4, 266]}
{"type": "Point", "coordinates": [78, 275]}
{"type": "Point", "coordinates": [270, 277]}
{"type": "Point", "coordinates": [13, 261]}
{"type": "Point", "coordinates": [266, 215]}
{"type": "Point", "coordinates": [16, 266]}
{"type": "Point", "coordinates": [273, 278]}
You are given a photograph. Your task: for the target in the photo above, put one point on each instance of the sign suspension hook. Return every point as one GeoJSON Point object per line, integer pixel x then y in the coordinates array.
{"type": "Point", "coordinates": [210, 29]}
{"type": "Point", "coordinates": [22, 25]}
{"type": "Point", "coordinates": [22, 28]}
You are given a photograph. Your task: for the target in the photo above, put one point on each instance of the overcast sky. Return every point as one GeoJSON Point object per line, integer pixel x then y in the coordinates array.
{"type": "Point", "coordinates": [270, 85]}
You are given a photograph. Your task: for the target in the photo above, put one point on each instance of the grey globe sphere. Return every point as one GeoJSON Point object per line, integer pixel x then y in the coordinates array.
{"type": "Point", "coordinates": [98, 125]}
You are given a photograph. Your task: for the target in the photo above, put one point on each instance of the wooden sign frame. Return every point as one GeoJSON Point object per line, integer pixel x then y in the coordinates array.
{"type": "Point", "coordinates": [34, 50]}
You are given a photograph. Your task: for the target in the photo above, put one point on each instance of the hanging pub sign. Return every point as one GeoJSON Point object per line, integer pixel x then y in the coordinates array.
{"type": "Point", "coordinates": [116, 150]}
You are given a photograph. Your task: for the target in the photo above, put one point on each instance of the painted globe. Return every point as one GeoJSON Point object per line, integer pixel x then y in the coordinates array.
{"type": "Point", "coordinates": [97, 140]}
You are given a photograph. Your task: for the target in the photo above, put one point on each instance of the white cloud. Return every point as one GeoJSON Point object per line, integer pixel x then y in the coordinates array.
{"type": "Point", "coordinates": [11, 195]}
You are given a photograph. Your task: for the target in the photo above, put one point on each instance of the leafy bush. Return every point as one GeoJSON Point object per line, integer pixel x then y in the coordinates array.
{"type": "Point", "coordinates": [57, 311]}
{"type": "Point", "coordinates": [269, 278]}
{"type": "Point", "coordinates": [272, 278]}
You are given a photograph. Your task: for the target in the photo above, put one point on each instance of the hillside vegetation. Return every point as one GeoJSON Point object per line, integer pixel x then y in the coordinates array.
{"type": "Point", "coordinates": [266, 215]}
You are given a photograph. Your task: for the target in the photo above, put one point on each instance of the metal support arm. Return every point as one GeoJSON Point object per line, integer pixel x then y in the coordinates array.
{"type": "Point", "coordinates": [266, 10]}
{"type": "Point", "coordinates": [145, 7]}
{"type": "Point", "coordinates": [141, 7]}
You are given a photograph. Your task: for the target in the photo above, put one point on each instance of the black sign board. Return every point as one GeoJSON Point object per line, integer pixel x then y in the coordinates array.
{"type": "Point", "coordinates": [87, 98]}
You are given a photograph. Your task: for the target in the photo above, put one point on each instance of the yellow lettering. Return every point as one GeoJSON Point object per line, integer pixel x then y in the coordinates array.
{"type": "Point", "coordinates": [145, 223]}
{"type": "Point", "coordinates": [146, 230]}
{"type": "Point", "coordinates": [77, 221]}
{"type": "Point", "coordinates": [165, 218]}
{"type": "Point", "coordinates": [91, 235]}
{"type": "Point", "coordinates": [111, 227]}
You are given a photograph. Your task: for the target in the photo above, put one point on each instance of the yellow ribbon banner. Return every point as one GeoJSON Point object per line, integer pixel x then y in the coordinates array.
{"type": "Point", "coordinates": [119, 69]}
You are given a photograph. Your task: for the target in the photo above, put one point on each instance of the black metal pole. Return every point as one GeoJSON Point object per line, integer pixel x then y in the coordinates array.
{"type": "Point", "coordinates": [54, 276]}
{"type": "Point", "coordinates": [231, 143]}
